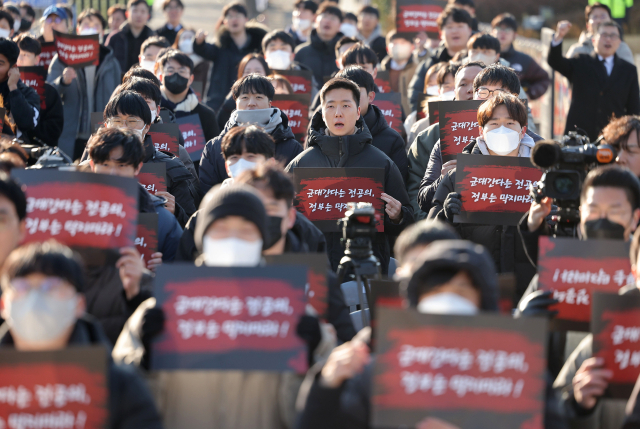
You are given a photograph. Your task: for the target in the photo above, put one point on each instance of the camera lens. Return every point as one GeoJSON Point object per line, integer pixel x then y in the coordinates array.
{"type": "Point", "coordinates": [564, 185]}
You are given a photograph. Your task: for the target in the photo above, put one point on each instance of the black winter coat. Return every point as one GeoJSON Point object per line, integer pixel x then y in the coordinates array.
{"type": "Point", "coordinates": [416, 86]}
{"type": "Point", "coordinates": [51, 120]}
{"type": "Point", "coordinates": [212, 170]}
{"type": "Point", "coordinates": [533, 78]}
{"type": "Point", "coordinates": [318, 56]}
{"type": "Point", "coordinates": [131, 405]}
{"type": "Point", "coordinates": [23, 104]}
{"type": "Point", "coordinates": [126, 48]}
{"type": "Point", "coordinates": [356, 151]}
{"type": "Point", "coordinates": [206, 115]}
{"type": "Point", "coordinates": [387, 139]}
{"type": "Point", "coordinates": [226, 56]}
{"type": "Point", "coordinates": [168, 33]}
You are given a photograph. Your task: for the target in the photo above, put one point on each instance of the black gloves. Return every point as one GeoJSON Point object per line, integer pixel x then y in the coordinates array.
{"type": "Point", "coordinates": [536, 304]}
{"type": "Point", "coordinates": [152, 324]}
{"type": "Point", "coordinates": [308, 330]}
{"type": "Point", "coordinates": [452, 205]}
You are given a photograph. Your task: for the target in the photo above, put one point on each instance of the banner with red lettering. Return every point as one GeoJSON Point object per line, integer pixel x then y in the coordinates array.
{"type": "Point", "coordinates": [165, 137]}
{"type": "Point", "coordinates": [322, 194]}
{"type": "Point", "coordinates": [147, 236]}
{"type": "Point", "coordinates": [317, 285]}
{"type": "Point", "coordinates": [415, 16]}
{"type": "Point", "coordinates": [35, 77]}
{"type": "Point", "coordinates": [391, 105]}
{"type": "Point", "coordinates": [483, 371]}
{"type": "Point", "coordinates": [47, 54]}
{"type": "Point", "coordinates": [77, 51]}
{"type": "Point", "coordinates": [296, 107]}
{"type": "Point", "coordinates": [65, 388]}
{"type": "Point", "coordinates": [241, 318]}
{"type": "Point", "coordinates": [616, 338]}
{"type": "Point", "coordinates": [193, 135]}
{"type": "Point", "coordinates": [300, 80]}
{"type": "Point", "coordinates": [494, 189]}
{"type": "Point", "coordinates": [383, 82]}
{"type": "Point", "coordinates": [153, 176]}
{"type": "Point", "coordinates": [458, 126]}
{"type": "Point", "coordinates": [574, 270]}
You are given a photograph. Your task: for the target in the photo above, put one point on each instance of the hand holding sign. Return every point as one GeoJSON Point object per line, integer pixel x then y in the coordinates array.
{"type": "Point", "coordinates": [68, 75]}
{"type": "Point", "coordinates": [590, 382]}
{"type": "Point", "coordinates": [347, 360]}
{"type": "Point", "coordinates": [393, 207]}
{"type": "Point", "coordinates": [130, 267]}
{"type": "Point", "coordinates": [452, 205]}
{"type": "Point", "coordinates": [155, 261]}
{"type": "Point", "coordinates": [448, 166]}
{"type": "Point", "coordinates": [171, 201]}
{"type": "Point", "coordinates": [14, 77]}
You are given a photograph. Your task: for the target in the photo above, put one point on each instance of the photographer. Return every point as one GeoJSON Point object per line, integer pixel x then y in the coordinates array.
{"type": "Point", "coordinates": [622, 134]}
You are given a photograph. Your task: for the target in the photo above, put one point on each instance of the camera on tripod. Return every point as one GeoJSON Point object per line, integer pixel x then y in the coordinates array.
{"type": "Point", "coordinates": [358, 230]}
{"type": "Point", "coordinates": [565, 167]}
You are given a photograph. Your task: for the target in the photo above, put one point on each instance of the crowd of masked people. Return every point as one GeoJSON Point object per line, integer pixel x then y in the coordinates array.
{"type": "Point", "coordinates": [237, 203]}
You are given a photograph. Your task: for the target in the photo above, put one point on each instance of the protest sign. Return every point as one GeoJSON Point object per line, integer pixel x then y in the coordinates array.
{"type": "Point", "coordinates": [197, 87]}
{"type": "Point", "coordinates": [322, 194]}
{"type": "Point", "coordinates": [35, 77]}
{"type": "Point", "coordinates": [147, 235]}
{"type": "Point", "coordinates": [507, 288]}
{"type": "Point", "coordinates": [391, 106]}
{"type": "Point", "coordinates": [97, 121]}
{"type": "Point", "coordinates": [382, 81]}
{"type": "Point", "coordinates": [296, 107]}
{"type": "Point", "coordinates": [193, 135]}
{"type": "Point", "coordinates": [65, 388]}
{"type": "Point", "coordinates": [616, 339]}
{"type": "Point", "coordinates": [47, 54]}
{"type": "Point", "coordinates": [494, 189]}
{"type": "Point", "coordinates": [384, 293]}
{"type": "Point", "coordinates": [471, 371]}
{"type": "Point", "coordinates": [300, 80]}
{"type": "Point", "coordinates": [317, 286]}
{"type": "Point", "coordinates": [458, 126]}
{"type": "Point", "coordinates": [574, 270]}
{"type": "Point", "coordinates": [413, 16]}
{"type": "Point", "coordinates": [153, 176]}
{"type": "Point", "coordinates": [434, 112]}
{"type": "Point", "coordinates": [230, 318]}
{"type": "Point", "coordinates": [77, 51]}
{"type": "Point", "coordinates": [165, 137]}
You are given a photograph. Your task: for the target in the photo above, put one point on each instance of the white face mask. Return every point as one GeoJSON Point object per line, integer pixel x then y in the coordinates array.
{"type": "Point", "coordinates": [448, 96]}
{"type": "Point", "coordinates": [301, 24]}
{"type": "Point", "coordinates": [186, 46]}
{"type": "Point", "coordinates": [400, 53]}
{"type": "Point", "coordinates": [147, 65]}
{"type": "Point", "coordinates": [433, 90]}
{"type": "Point", "coordinates": [41, 318]}
{"type": "Point", "coordinates": [231, 252]}
{"type": "Point", "coordinates": [447, 303]}
{"type": "Point", "coordinates": [502, 140]}
{"type": "Point", "coordinates": [240, 166]}
{"type": "Point", "coordinates": [153, 116]}
{"type": "Point", "coordinates": [349, 30]}
{"type": "Point", "coordinates": [278, 60]}
{"type": "Point", "coordinates": [88, 31]}
{"type": "Point", "coordinates": [5, 33]}
{"type": "Point", "coordinates": [484, 58]}
{"type": "Point", "coordinates": [140, 133]}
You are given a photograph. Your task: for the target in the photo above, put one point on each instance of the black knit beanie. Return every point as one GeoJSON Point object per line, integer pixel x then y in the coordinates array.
{"type": "Point", "coordinates": [233, 200]}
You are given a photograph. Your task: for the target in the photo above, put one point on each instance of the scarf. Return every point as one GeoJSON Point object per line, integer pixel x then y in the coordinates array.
{"type": "Point", "coordinates": [267, 119]}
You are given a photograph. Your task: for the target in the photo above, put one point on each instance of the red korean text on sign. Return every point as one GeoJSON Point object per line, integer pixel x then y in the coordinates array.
{"type": "Point", "coordinates": [193, 135]}
{"type": "Point", "coordinates": [47, 54]}
{"type": "Point", "coordinates": [392, 110]}
{"type": "Point", "coordinates": [164, 142]}
{"type": "Point", "coordinates": [297, 111]}
{"type": "Point", "coordinates": [300, 83]}
{"type": "Point", "coordinates": [153, 177]}
{"type": "Point", "coordinates": [77, 50]}
{"type": "Point", "coordinates": [457, 129]}
{"type": "Point", "coordinates": [416, 17]}
{"type": "Point", "coordinates": [35, 77]}
{"type": "Point", "coordinates": [147, 236]}
{"type": "Point", "coordinates": [620, 344]}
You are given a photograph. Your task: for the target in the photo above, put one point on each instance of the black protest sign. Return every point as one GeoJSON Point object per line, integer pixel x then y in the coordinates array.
{"type": "Point", "coordinates": [413, 16]}
{"type": "Point", "coordinates": [471, 371]}
{"type": "Point", "coordinates": [47, 54]}
{"type": "Point", "coordinates": [296, 107]}
{"type": "Point", "coordinates": [322, 194]}
{"type": "Point", "coordinates": [317, 285]}
{"type": "Point", "coordinates": [77, 51]}
{"type": "Point", "coordinates": [35, 77]}
{"type": "Point", "coordinates": [147, 236]}
{"type": "Point", "coordinates": [165, 137]}
{"type": "Point", "coordinates": [300, 80]}
{"type": "Point", "coordinates": [615, 326]}
{"type": "Point", "coordinates": [391, 106]}
{"type": "Point", "coordinates": [458, 122]}
{"type": "Point", "coordinates": [574, 270]}
{"type": "Point", "coordinates": [97, 121]}
{"type": "Point", "coordinates": [494, 189]}
{"type": "Point", "coordinates": [65, 388]}
{"type": "Point", "coordinates": [383, 82]}
{"type": "Point", "coordinates": [153, 176]}
{"type": "Point", "coordinates": [197, 87]}
{"type": "Point", "coordinates": [434, 111]}
{"type": "Point", "coordinates": [193, 135]}
{"type": "Point", "coordinates": [230, 318]}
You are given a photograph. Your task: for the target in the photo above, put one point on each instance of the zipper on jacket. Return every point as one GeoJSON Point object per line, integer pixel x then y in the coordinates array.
{"type": "Point", "coordinates": [340, 146]}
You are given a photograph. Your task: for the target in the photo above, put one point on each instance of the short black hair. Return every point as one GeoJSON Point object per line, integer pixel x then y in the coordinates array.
{"type": "Point", "coordinates": [341, 83]}
{"type": "Point", "coordinates": [281, 35]}
{"type": "Point", "coordinates": [49, 258]}
{"type": "Point", "coordinates": [457, 14]}
{"type": "Point", "coordinates": [118, 7]}
{"type": "Point", "coordinates": [138, 71]}
{"type": "Point", "coordinates": [505, 20]}
{"type": "Point", "coordinates": [92, 13]}
{"type": "Point", "coordinates": [468, 3]}
{"type": "Point", "coordinates": [145, 87]}
{"type": "Point", "coordinates": [132, 3]}
{"type": "Point", "coordinates": [29, 10]}
{"type": "Point", "coordinates": [359, 54]}
{"type": "Point", "coordinates": [498, 74]}
{"type": "Point", "coordinates": [450, 68]}
{"type": "Point", "coordinates": [614, 176]}
{"type": "Point", "coordinates": [253, 84]}
{"type": "Point", "coordinates": [393, 35]}
{"type": "Point", "coordinates": [331, 9]}
{"type": "Point", "coordinates": [609, 23]}
{"type": "Point", "coordinates": [159, 41]}
{"type": "Point", "coordinates": [166, 3]}
{"type": "Point", "coordinates": [236, 7]}
{"type": "Point", "coordinates": [9, 48]}
{"type": "Point", "coordinates": [251, 139]}
{"type": "Point", "coordinates": [307, 5]}
{"type": "Point", "coordinates": [370, 10]}
{"type": "Point", "coordinates": [270, 176]}
{"type": "Point", "coordinates": [5, 14]}
{"type": "Point", "coordinates": [590, 7]}
{"type": "Point", "coordinates": [127, 103]}
{"type": "Point", "coordinates": [351, 16]}
{"type": "Point", "coordinates": [471, 64]}
{"type": "Point", "coordinates": [12, 190]}
{"type": "Point", "coordinates": [358, 75]}
{"type": "Point", "coordinates": [344, 40]}
{"type": "Point", "coordinates": [177, 56]}
{"type": "Point", "coordinates": [483, 41]}
{"type": "Point", "coordinates": [103, 141]}
{"type": "Point", "coordinates": [421, 234]}
{"type": "Point", "coordinates": [26, 42]}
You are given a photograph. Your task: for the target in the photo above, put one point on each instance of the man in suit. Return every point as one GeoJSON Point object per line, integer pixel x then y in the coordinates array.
{"type": "Point", "coordinates": [603, 84]}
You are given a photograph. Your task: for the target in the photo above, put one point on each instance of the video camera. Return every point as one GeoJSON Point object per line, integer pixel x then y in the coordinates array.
{"type": "Point", "coordinates": [358, 230]}
{"type": "Point", "coordinates": [565, 167]}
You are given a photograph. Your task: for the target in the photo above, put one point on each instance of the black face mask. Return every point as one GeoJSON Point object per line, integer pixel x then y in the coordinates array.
{"type": "Point", "coordinates": [603, 229]}
{"type": "Point", "coordinates": [25, 25]}
{"type": "Point", "coordinates": [175, 83]}
{"type": "Point", "coordinates": [274, 225]}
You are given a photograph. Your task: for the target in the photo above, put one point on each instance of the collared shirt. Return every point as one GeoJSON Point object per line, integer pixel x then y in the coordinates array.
{"type": "Point", "coordinates": [608, 63]}
{"type": "Point", "coordinates": [176, 28]}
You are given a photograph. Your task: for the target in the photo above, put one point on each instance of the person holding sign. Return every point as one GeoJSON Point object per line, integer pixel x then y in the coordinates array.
{"type": "Point", "coordinates": [44, 308]}
{"type": "Point", "coordinates": [339, 138]}
{"type": "Point", "coordinates": [53, 18]}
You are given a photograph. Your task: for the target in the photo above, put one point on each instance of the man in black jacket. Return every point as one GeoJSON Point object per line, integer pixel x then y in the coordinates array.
{"type": "Point", "coordinates": [369, 31]}
{"type": "Point", "coordinates": [127, 42]}
{"type": "Point", "coordinates": [318, 54]}
{"type": "Point", "coordinates": [304, 15]}
{"type": "Point", "coordinates": [234, 40]}
{"type": "Point", "coordinates": [339, 138]}
{"type": "Point", "coordinates": [603, 84]}
{"type": "Point", "coordinates": [173, 10]}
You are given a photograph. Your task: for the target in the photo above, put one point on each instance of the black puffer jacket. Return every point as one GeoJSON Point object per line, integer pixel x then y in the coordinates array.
{"type": "Point", "coordinates": [387, 139]}
{"type": "Point", "coordinates": [318, 56]}
{"type": "Point", "coordinates": [503, 242]}
{"type": "Point", "coordinates": [356, 151]}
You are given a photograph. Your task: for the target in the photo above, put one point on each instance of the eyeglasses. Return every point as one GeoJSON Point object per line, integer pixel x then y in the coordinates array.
{"type": "Point", "coordinates": [503, 30]}
{"type": "Point", "coordinates": [610, 36]}
{"type": "Point", "coordinates": [485, 93]}
{"type": "Point", "coordinates": [56, 20]}
{"type": "Point", "coordinates": [52, 286]}
{"type": "Point", "coordinates": [129, 123]}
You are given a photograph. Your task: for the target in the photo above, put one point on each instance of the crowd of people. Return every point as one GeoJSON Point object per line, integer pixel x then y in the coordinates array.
{"type": "Point", "coordinates": [237, 203]}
